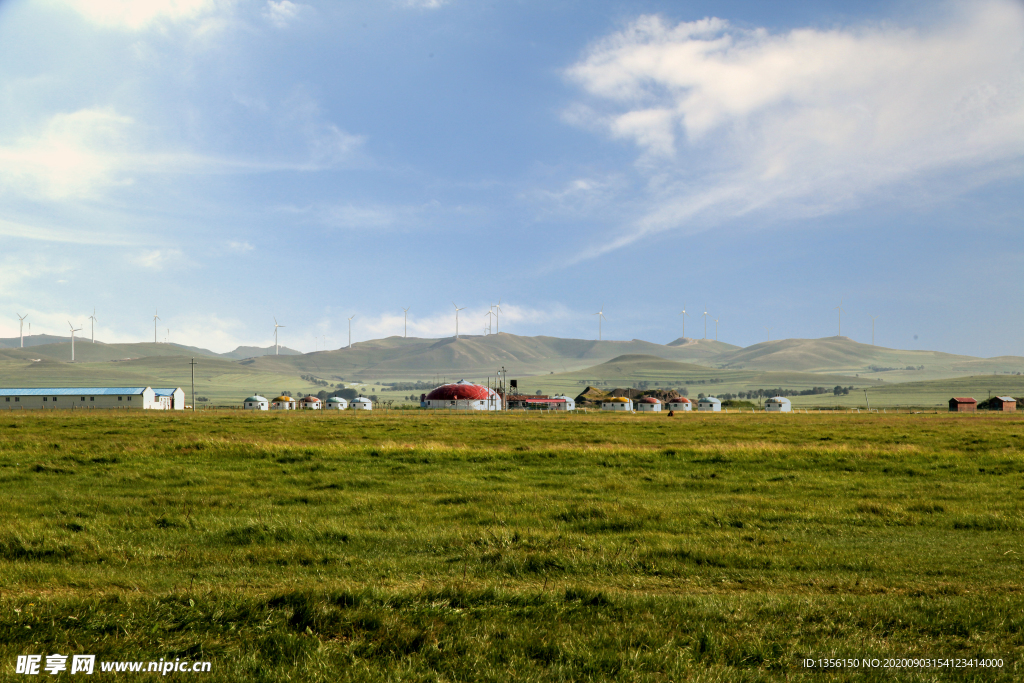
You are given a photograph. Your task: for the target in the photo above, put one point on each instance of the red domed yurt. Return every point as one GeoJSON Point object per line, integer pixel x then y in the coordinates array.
{"type": "Point", "coordinates": [648, 404]}
{"type": "Point", "coordinates": [680, 403]}
{"type": "Point", "coordinates": [462, 395]}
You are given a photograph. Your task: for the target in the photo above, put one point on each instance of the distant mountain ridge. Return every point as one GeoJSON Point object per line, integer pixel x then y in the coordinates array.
{"type": "Point", "coordinates": [477, 356]}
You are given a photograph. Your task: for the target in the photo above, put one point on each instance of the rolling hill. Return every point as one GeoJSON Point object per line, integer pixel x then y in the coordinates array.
{"type": "Point", "coordinates": [477, 356]}
{"type": "Point", "coordinates": [843, 355]}
{"type": "Point", "coordinates": [634, 370]}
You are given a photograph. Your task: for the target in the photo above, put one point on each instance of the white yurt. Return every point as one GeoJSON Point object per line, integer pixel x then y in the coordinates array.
{"type": "Point", "coordinates": [283, 403]}
{"type": "Point", "coordinates": [680, 403]}
{"type": "Point", "coordinates": [256, 402]}
{"type": "Point", "coordinates": [648, 404]}
{"type": "Point", "coordinates": [362, 403]}
{"type": "Point", "coordinates": [778, 404]}
{"type": "Point", "coordinates": [709, 404]}
{"type": "Point", "coordinates": [309, 403]}
{"type": "Point", "coordinates": [619, 403]}
{"type": "Point", "coordinates": [462, 395]}
{"type": "Point", "coordinates": [570, 404]}
{"type": "Point", "coordinates": [335, 403]}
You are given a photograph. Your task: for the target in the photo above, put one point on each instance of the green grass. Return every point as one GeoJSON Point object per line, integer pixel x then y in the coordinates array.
{"type": "Point", "coordinates": [421, 546]}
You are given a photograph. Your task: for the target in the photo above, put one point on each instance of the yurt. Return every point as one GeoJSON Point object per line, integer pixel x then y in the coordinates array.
{"type": "Point", "coordinates": [619, 403]}
{"type": "Point", "coordinates": [462, 395]}
{"type": "Point", "coordinates": [255, 402]}
{"type": "Point", "coordinates": [362, 403]}
{"type": "Point", "coordinates": [648, 404]}
{"type": "Point", "coordinates": [570, 404]}
{"type": "Point", "coordinates": [709, 404]}
{"type": "Point", "coordinates": [680, 403]}
{"type": "Point", "coordinates": [778, 404]}
{"type": "Point", "coordinates": [283, 403]}
{"type": "Point", "coordinates": [335, 403]}
{"type": "Point", "coordinates": [309, 403]}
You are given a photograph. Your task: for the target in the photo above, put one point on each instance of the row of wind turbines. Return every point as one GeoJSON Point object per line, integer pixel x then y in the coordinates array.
{"type": "Point", "coordinates": [493, 315]}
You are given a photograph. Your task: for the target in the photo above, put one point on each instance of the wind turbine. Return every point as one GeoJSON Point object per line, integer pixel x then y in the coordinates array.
{"type": "Point", "coordinates": [705, 322]}
{"type": "Point", "coordinates": [73, 330]}
{"type": "Point", "coordinates": [155, 318]}
{"type": "Point", "coordinates": [840, 309]}
{"type": "Point", "coordinates": [457, 309]}
{"type": "Point", "coordinates": [350, 330]}
{"type": "Point", "coordinates": [684, 314]}
{"type": "Point", "coordinates": [769, 333]}
{"type": "Point", "coordinates": [873, 329]}
{"type": "Point", "coordinates": [716, 329]}
{"type": "Point", "coordinates": [406, 333]}
{"type": "Point", "coordinates": [277, 349]}
{"type": "Point", "coordinates": [600, 317]}
{"type": "Point", "coordinates": [497, 317]}
{"type": "Point", "coordinates": [167, 338]}
{"type": "Point", "coordinates": [490, 319]}
{"type": "Point", "coordinates": [21, 328]}
{"type": "Point", "coordinates": [92, 326]}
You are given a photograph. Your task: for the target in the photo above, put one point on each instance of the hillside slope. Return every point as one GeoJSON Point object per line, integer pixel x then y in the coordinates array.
{"type": "Point", "coordinates": [843, 355]}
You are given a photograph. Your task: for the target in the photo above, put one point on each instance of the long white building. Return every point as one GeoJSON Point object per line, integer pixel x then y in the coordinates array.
{"type": "Point", "coordinates": [84, 398]}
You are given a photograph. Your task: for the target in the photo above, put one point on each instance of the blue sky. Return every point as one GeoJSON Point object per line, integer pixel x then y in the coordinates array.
{"type": "Point", "coordinates": [227, 162]}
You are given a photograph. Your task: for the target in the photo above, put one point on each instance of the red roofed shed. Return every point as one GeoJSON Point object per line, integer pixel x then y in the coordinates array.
{"type": "Point", "coordinates": [962, 405]}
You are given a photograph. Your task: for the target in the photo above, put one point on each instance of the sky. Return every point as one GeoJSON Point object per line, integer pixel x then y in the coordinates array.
{"type": "Point", "coordinates": [228, 162]}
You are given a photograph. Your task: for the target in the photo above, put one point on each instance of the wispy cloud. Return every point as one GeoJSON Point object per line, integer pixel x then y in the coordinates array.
{"type": "Point", "coordinates": [282, 13]}
{"type": "Point", "coordinates": [140, 14]}
{"type": "Point", "coordinates": [729, 121]}
{"type": "Point", "coordinates": [86, 153]}
{"type": "Point", "coordinates": [157, 259]}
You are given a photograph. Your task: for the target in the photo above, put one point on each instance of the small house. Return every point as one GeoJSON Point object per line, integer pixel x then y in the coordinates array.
{"type": "Point", "coordinates": [680, 403]}
{"type": "Point", "coordinates": [709, 404]}
{"type": "Point", "coordinates": [362, 403]}
{"type": "Point", "coordinates": [962, 405]}
{"type": "Point", "coordinates": [620, 403]}
{"type": "Point", "coordinates": [335, 403]}
{"type": "Point", "coordinates": [255, 402]}
{"type": "Point", "coordinates": [283, 403]}
{"type": "Point", "coordinates": [648, 404]}
{"type": "Point", "coordinates": [309, 403]}
{"type": "Point", "coordinates": [778, 404]}
{"type": "Point", "coordinates": [1006, 404]}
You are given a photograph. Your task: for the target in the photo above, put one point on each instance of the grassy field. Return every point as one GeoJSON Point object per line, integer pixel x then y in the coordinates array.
{"type": "Point", "coordinates": [437, 547]}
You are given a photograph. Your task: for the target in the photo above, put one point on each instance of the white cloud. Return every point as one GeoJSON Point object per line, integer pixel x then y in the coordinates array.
{"type": "Point", "coordinates": [86, 153]}
{"type": "Point", "coordinates": [140, 14]}
{"type": "Point", "coordinates": [73, 156]}
{"type": "Point", "coordinates": [240, 247]}
{"type": "Point", "coordinates": [425, 4]}
{"type": "Point", "coordinates": [156, 259]}
{"type": "Point", "coordinates": [281, 13]}
{"type": "Point", "coordinates": [730, 120]}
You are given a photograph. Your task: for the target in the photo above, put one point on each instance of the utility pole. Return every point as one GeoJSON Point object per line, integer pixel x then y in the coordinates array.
{"type": "Point", "coordinates": [193, 364]}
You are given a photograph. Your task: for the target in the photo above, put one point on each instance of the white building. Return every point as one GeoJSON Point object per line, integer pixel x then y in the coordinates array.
{"type": "Point", "coordinates": [256, 402]}
{"type": "Point", "coordinates": [362, 403]}
{"type": "Point", "coordinates": [170, 398]}
{"type": "Point", "coordinates": [81, 398]}
{"type": "Point", "coordinates": [309, 403]}
{"type": "Point", "coordinates": [648, 404]}
{"type": "Point", "coordinates": [570, 403]}
{"type": "Point", "coordinates": [778, 404]}
{"type": "Point", "coordinates": [462, 395]}
{"type": "Point", "coordinates": [709, 404]}
{"type": "Point", "coordinates": [680, 403]}
{"type": "Point", "coordinates": [335, 403]}
{"type": "Point", "coordinates": [283, 403]}
{"type": "Point", "coordinates": [620, 403]}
